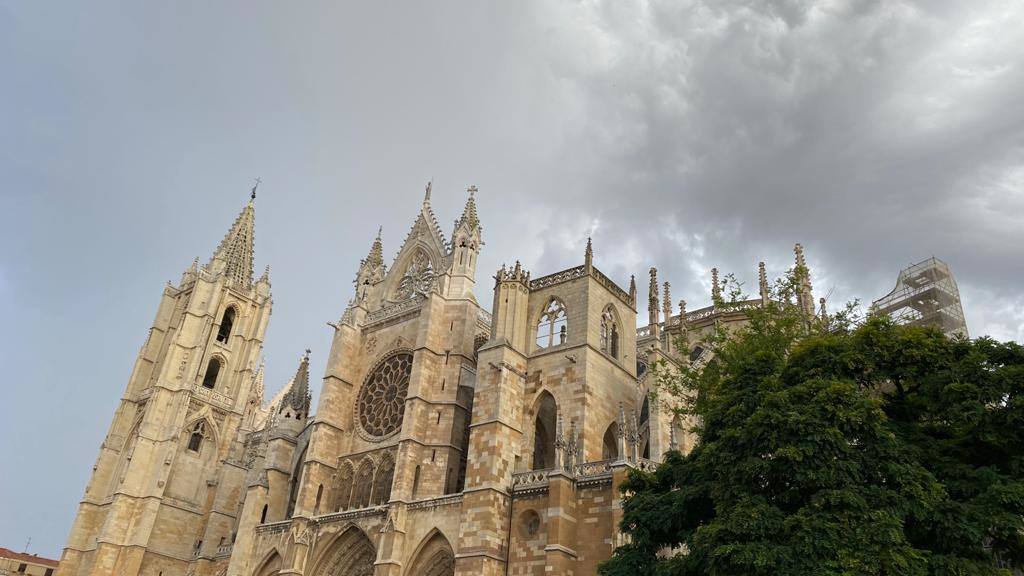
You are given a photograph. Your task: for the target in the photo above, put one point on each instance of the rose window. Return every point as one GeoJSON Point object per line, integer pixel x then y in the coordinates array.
{"type": "Point", "coordinates": [382, 400]}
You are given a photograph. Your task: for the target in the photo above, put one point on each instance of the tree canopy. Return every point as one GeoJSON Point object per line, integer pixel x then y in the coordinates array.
{"type": "Point", "coordinates": [827, 448]}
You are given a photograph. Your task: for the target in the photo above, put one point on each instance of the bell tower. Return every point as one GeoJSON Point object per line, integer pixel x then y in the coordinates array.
{"type": "Point", "coordinates": [159, 498]}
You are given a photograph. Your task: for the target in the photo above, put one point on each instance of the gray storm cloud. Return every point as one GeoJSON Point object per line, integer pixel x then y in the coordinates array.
{"type": "Point", "coordinates": [682, 135]}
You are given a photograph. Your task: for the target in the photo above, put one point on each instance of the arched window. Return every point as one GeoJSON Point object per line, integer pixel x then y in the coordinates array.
{"type": "Point", "coordinates": [226, 322]}
{"type": "Point", "coordinates": [319, 496]}
{"type": "Point", "coordinates": [195, 441]}
{"type": "Point", "coordinates": [610, 448]}
{"type": "Point", "coordinates": [609, 333]}
{"type": "Point", "coordinates": [344, 489]}
{"type": "Point", "coordinates": [553, 326]}
{"type": "Point", "coordinates": [212, 371]}
{"type": "Point", "coordinates": [382, 482]}
{"type": "Point", "coordinates": [363, 485]}
{"type": "Point", "coordinates": [263, 515]}
{"type": "Point", "coordinates": [544, 433]}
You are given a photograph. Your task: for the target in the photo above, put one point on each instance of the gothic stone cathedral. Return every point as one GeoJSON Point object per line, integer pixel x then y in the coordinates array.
{"type": "Point", "coordinates": [447, 440]}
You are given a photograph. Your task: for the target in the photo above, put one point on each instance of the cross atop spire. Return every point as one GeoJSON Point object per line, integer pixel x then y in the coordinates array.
{"type": "Point", "coordinates": [469, 217]}
{"type": "Point", "coordinates": [426, 195]}
{"type": "Point", "coordinates": [236, 249]}
{"type": "Point", "coordinates": [255, 186]}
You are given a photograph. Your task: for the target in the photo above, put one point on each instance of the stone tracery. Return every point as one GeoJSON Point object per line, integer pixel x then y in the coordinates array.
{"type": "Point", "coordinates": [418, 278]}
{"type": "Point", "coordinates": [381, 401]}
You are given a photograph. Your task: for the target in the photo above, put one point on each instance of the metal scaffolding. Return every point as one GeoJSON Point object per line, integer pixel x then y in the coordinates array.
{"type": "Point", "coordinates": [925, 295]}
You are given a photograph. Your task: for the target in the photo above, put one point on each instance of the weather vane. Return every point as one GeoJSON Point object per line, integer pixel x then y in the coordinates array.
{"type": "Point", "coordinates": [257, 185]}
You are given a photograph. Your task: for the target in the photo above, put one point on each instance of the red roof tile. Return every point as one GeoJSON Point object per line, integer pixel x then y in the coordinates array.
{"type": "Point", "coordinates": [11, 554]}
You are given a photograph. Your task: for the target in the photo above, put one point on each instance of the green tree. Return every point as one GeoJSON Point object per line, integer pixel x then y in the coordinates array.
{"type": "Point", "coordinates": [956, 405]}
{"type": "Point", "coordinates": [879, 449]}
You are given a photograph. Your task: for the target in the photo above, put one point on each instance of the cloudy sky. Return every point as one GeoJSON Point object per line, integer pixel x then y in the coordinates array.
{"type": "Point", "coordinates": [680, 134]}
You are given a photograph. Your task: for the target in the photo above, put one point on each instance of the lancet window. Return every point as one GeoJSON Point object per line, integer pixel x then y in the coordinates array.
{"type": "Point", "coordinates": [195, 440]}
{"type": "Point", "coordinates": [212, 371]}
{"type": "Point", "coordinates": [226, 323]}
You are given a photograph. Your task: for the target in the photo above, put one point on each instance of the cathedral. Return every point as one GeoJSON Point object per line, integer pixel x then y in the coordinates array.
{"type": "Point", "coordinates": [447, 439]}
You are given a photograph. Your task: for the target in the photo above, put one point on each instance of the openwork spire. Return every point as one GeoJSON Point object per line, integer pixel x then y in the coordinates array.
{"type": "Point", "coordinates": [236, 249]}
{"type": "Point", "coordinates": [298, 396]}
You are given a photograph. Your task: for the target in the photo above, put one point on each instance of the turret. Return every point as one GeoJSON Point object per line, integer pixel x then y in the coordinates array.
{"type": "Point", "coordinates": [371, 270]}
{"type": "Point", "coordinates": [466, 243]}
{"type": "Point", "coordinates": [511, 307]}
{"type": "Point", "coordinates": [293, 409]}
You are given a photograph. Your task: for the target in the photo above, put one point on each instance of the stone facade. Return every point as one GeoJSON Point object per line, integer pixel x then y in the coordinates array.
{"type": "Point", "coordinates": [447, 439]}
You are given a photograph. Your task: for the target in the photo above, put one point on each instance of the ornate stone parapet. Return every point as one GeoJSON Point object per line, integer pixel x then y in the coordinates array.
{"type": "Point", "coordinates": [352, 514]}
{"type": "Point", "coordinates": [397, 310]}
{"type": "Point", "coordinates": [212, 396]}
{"type": "Point", "coordinates": [533, 481]}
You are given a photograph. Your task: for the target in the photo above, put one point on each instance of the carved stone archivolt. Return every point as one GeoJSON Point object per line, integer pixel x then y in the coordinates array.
{"type": "Point", "coordinates": [381, 402]}
{"type": "Point", "coordinates": [351, 555]}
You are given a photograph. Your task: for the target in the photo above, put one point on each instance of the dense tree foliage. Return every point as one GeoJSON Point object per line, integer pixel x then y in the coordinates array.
{"type": "Point", "coordinates": [875, 449]}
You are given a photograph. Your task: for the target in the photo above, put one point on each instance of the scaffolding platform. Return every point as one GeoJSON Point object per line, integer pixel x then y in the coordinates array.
{"type": "Point", "coordinates": [925, 295]}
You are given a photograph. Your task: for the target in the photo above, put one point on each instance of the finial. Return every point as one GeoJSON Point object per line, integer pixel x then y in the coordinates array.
{"type": "Point", "coordinates": [762, 282]}
{"type": "Point", "coordinates": [716, 290]}
{"type": "Point", "coordinates": [798, 250]}
{"type": "Point", "coordinates": [822, 311]}
{"type": "Point", "coordinates": [588, 256]}
{"type": "Point", "coordinates": [472, 190]}
{"type": "Point", "coordinates": [252, 196]}
{"type": "Point", "coordinates": [667, 301]}
{"type": "Point", "coordinates": [380, 230]}
{"type": "Point", "coordinates": [632, 287]}
{"type": "Point", "coordinates": [426, 195]}
{"type": "Point", "coordinates": [653, 309]}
